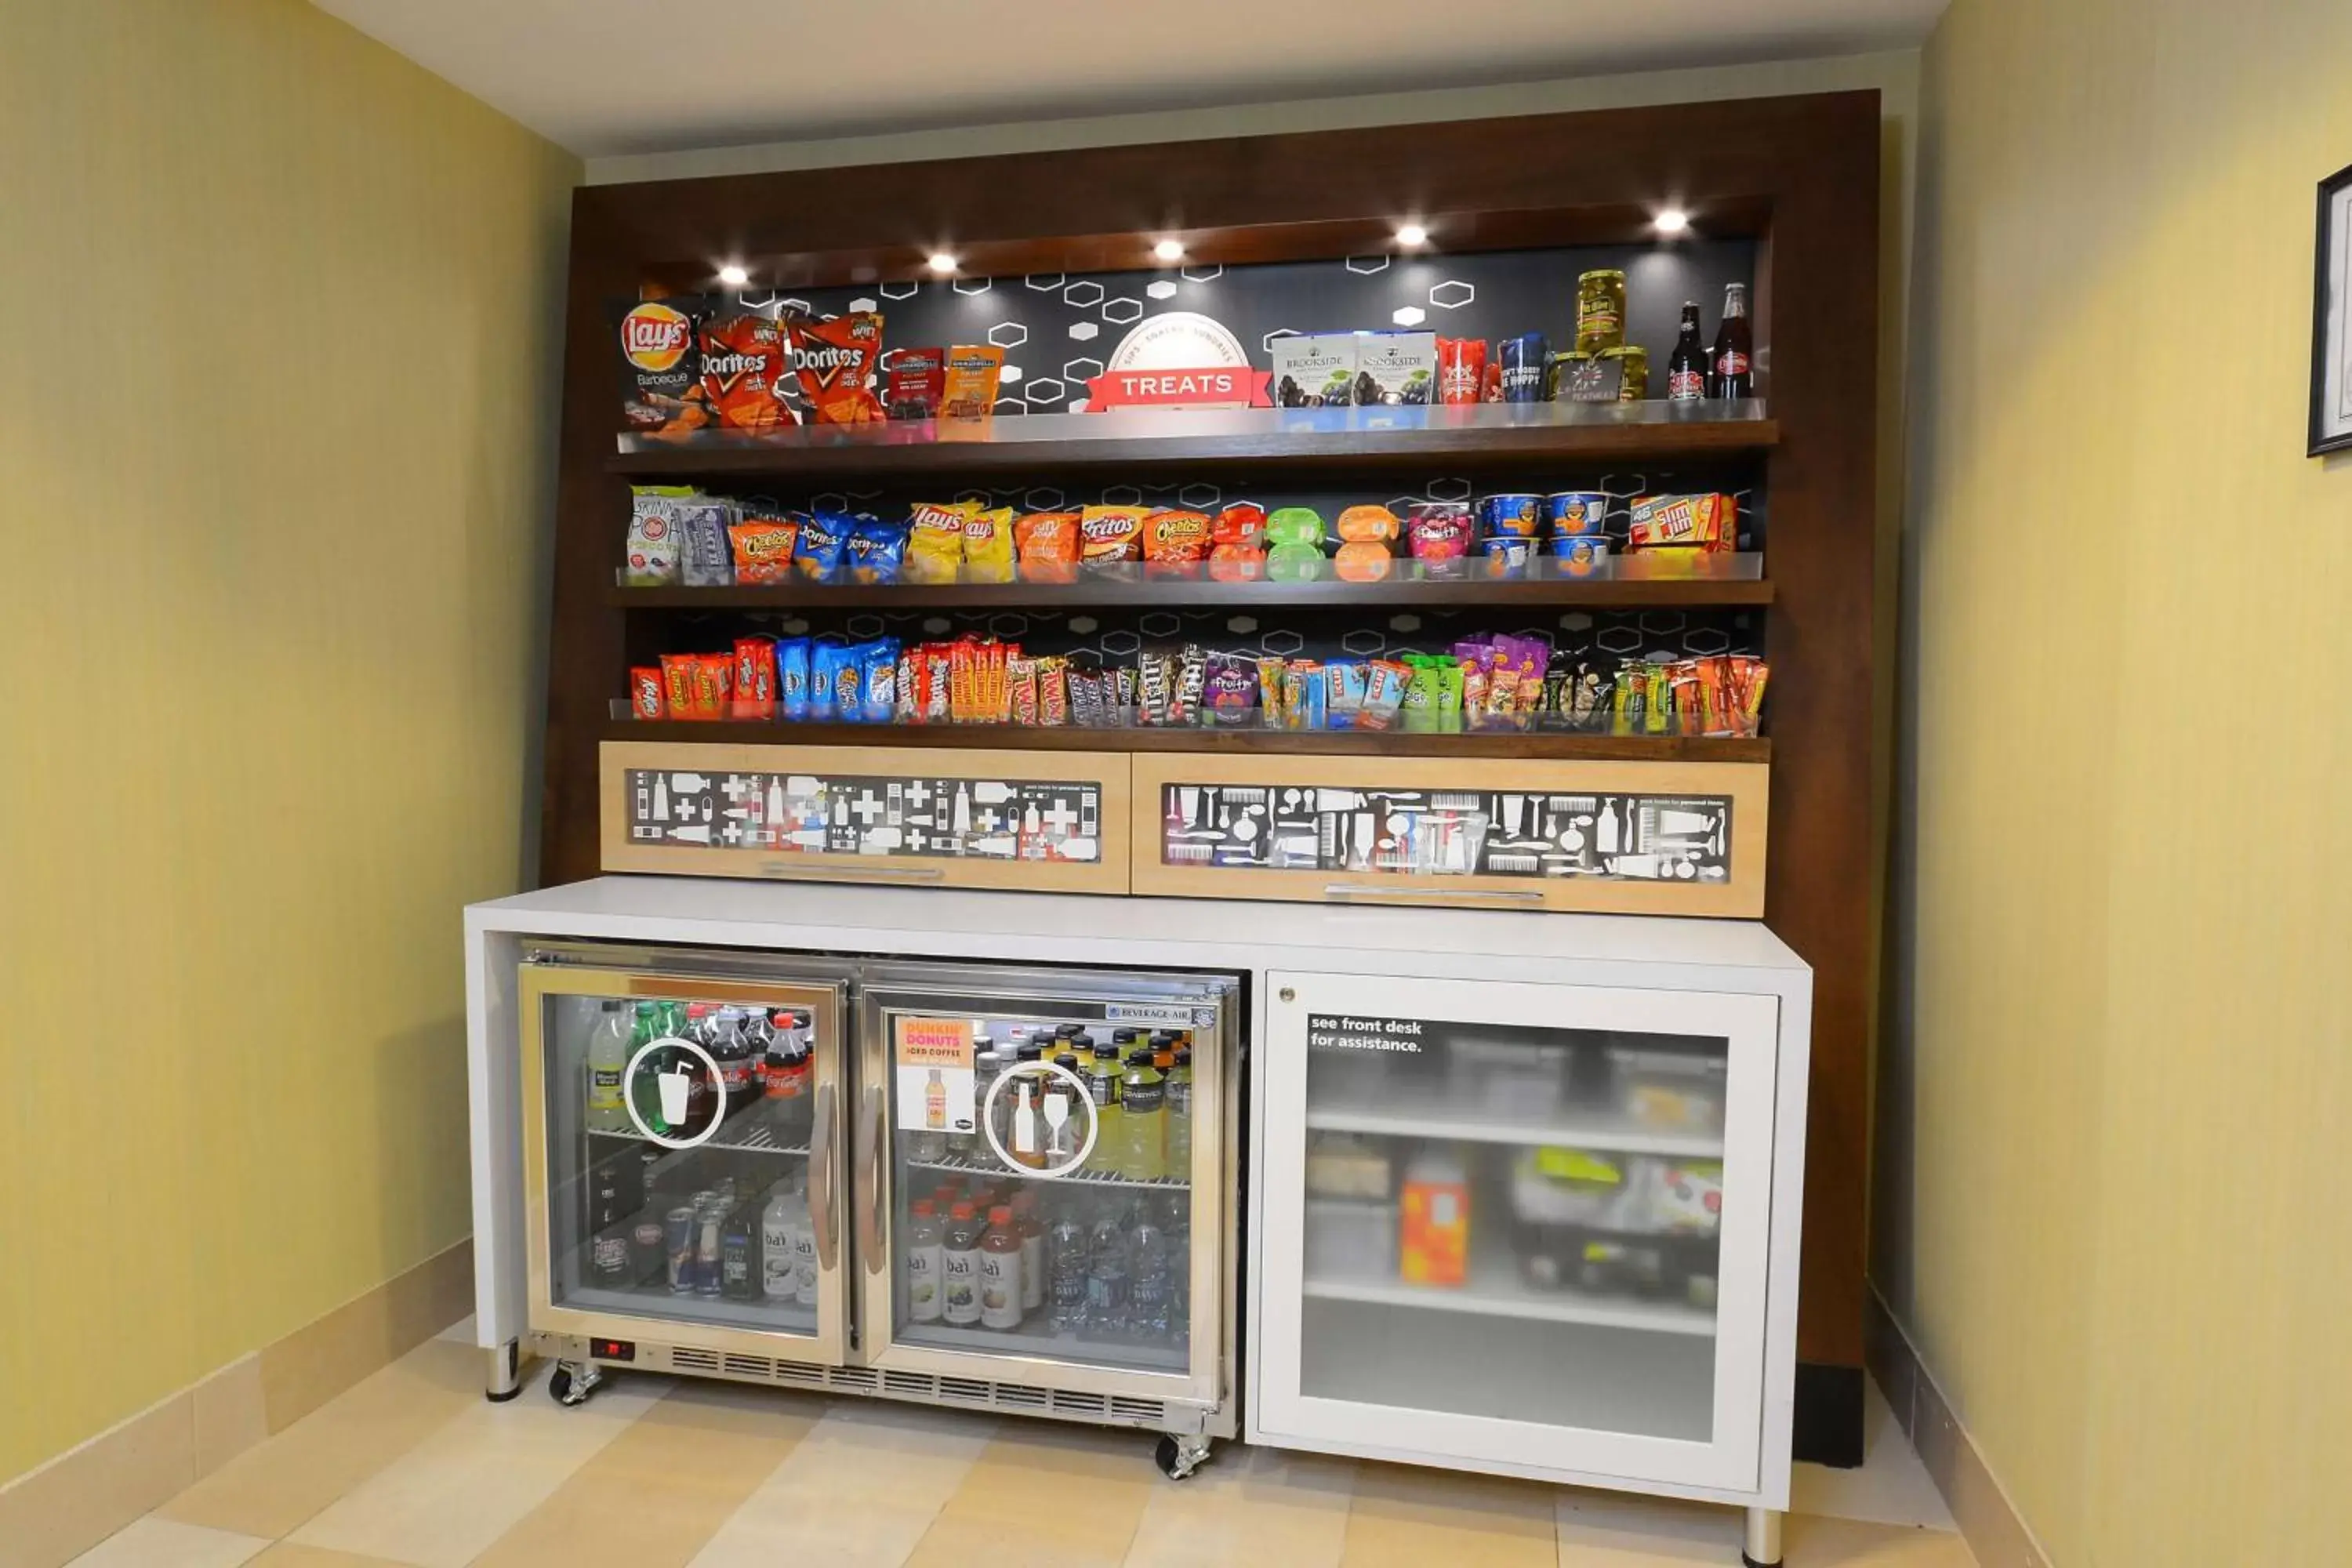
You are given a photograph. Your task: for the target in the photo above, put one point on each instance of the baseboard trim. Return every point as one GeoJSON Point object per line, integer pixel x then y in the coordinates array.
{"type": "Point", "coordinates": [54, 1512]}
{"type": "Point", "coordinates": [1996, 1533]}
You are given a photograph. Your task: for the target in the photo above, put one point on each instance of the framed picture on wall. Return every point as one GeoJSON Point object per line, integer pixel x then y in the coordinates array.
{"type": "Point", "coordinates": [2331, 320]}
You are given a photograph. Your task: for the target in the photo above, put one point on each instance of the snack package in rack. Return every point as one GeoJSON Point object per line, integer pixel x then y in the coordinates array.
{"type": "Point", "coordinates": [661, 365]}
{"type": "Point", "coordinates": [652, 559]}
{"type": "Point", "coordinates": [969, 389]}
{"type": "Point", "coordinates": [744, 371]}
{"type": "Point", "coordinates": [935, 540]}
{"type": "Point", "coordinates": [836, 362]}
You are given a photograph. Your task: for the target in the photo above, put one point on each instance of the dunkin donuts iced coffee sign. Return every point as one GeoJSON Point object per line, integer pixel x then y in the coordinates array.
{"type": "Point", "coordinates": [1182, 359]}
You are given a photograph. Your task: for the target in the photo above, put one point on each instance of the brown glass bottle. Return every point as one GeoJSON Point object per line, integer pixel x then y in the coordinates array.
{"type": "Point", "coordinates": [1731, 367]}
{"type": "Point", "coordinates": [1687, 371]}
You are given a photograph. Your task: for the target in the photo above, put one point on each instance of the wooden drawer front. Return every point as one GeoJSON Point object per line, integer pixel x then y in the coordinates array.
{"type": "Point", "coordinates": [1657, 838]}
{"type": "Point", "coordinates": [1041, 822]}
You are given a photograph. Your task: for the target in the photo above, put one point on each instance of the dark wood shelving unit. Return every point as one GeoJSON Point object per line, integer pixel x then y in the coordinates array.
{"type": "Point", "coordinates": [1264, 440]}
{"type": "Point", "coordinates": [1524, 745]}
{"type": "Point", "coordinates": [1799, 176]}
{"type": "Point", "coordinates": [1564, 592]}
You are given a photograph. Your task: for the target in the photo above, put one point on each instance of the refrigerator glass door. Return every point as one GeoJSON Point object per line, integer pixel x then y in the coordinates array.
{"type": "Point", "coordinates": [684, 1158]}
{"type": "Point", "coordinates": [1028, 1214]}
{"type": "Point", "coordinates": [1516, 1225]}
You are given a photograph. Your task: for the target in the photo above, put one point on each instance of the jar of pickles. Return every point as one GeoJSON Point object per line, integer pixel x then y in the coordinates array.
{"type": "Point", "coordinates": [1599, 310]}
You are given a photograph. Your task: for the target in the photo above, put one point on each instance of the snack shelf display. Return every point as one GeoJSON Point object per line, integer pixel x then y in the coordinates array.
{"type": "Point", "coordinates": [1260, 437]}
{"type": "Point", "coordinates": [1543, 744]}
{"type": "Point", "coordinates": [1728, 579]}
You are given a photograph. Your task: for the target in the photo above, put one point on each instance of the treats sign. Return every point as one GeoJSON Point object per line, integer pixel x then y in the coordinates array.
{"type": "Point", "coordinates": [1180, 359]}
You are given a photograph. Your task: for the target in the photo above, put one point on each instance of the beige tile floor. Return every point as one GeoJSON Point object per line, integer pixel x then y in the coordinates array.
{"type": "Point", "coordinates": [414, 1467]}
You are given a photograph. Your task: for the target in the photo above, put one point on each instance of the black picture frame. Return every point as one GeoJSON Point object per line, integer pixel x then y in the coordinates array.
{"type": "Point", "coordinates": [2331, 318]}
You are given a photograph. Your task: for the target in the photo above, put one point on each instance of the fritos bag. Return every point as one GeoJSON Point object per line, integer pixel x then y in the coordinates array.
{"type": "Point", "coordinates": [1111, 532]}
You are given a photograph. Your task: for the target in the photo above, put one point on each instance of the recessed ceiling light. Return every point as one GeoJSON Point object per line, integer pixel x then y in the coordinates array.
{"type": "Point", "coordinates": [1412, 234]}
{"type": "Point", "coordinates": [942, 262]}
{"type": "Point", "coordinates": [733, 275]}
{"type": "Point", "coordinates": [1169, 250]}
{"type": "Point", "coordinates": [1673, 220]}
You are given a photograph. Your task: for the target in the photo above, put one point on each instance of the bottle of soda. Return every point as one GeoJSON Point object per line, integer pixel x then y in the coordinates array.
{"type": "Point", "coordinates": [788, 1069]}
{"type": "Point", "coordinates": [1150, 1284]}
{"type": "Point", "coordinates": [733, 1055]}
{"type": "Point", "coordinates": [608, 1058]}
{"type": "Point", "coordinates": [1068, 1261]}
{"type": "Point", "coordinates": [1687, 370]}
{"type": "Point", "coordinates": [1731, 367]}
{"type": "Point", "coordinates": [648, 1027]}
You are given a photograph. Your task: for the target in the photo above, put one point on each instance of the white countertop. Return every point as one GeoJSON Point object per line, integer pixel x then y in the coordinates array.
{"type": "Point", "coordinates": [1087, 928]}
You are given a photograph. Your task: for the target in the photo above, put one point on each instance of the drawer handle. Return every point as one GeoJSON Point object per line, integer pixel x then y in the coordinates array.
{"type": "Point", "coordinates": [837, 872]}
{"type": "Point", "coordinates": [1373, 890]}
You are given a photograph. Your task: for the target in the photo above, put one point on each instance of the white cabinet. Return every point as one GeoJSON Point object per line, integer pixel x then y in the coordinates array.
{"type": "Point", "coordinates": [1536, 1229]}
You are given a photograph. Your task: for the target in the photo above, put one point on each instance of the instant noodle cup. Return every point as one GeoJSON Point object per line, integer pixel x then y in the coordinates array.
{"type": "Point", "coordinates": [1579, 555]}
{"type": "Point", "coordinates": [1577, 512]}
{"type": "Point", "coordinates": [988, 545]}
{"type": "Point", "coordinates": [1367, 525]}
{"type": "Point", "coordinates": [935, 540]}
{"type": "Point", "coordinates": [1512, 514]}
{"type": "Point", "coordinates": [1506, 556]}
{"type": "Point", "coordinates": [1363, 561]}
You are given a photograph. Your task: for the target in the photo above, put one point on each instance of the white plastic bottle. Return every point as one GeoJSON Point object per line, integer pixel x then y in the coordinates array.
{"type": "Point", "coordinates": [805, 1269]}
{"type": "Point", "coordinates": [924, 1264]}
{"type": "Point", "coordinates": [1000, 1271]}
{"type": "Point", "coordinates": [960, 1268]}
{"type": "Point", "coordinates": [776, 1247]}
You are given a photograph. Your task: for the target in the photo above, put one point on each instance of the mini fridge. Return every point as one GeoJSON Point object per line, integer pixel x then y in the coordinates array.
{"type": "Point", "coordinates": [991, 1187]}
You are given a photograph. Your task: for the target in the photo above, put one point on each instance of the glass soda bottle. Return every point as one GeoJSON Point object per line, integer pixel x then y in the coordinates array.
{"type": "Point", "coordinates": [608, 1060]}
{"type": "Point", "coordinates": [1687, 369]}
{"type": "Point", "coordinates": [1731, 368]}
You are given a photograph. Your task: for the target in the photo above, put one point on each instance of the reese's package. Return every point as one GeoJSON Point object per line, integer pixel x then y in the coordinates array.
{"type": "Point", "coordinates": [836, 362]}
{"type": "Point", "coordinates": [661, 365]}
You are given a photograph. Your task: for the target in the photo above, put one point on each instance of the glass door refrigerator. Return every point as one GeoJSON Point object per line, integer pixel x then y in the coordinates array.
{"type": "Point", "coordinates": [991, 1187]}
{"type": "Point", "coordinates": [1521, 1228]}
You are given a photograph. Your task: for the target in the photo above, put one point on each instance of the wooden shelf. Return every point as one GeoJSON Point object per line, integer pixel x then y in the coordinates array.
{"type": "Point", "coordinates": [1262, 439]}
{"type": "Point", "coordinates": [1202, 593]}
{"type": "Point", "coordinates": [1532, 744]}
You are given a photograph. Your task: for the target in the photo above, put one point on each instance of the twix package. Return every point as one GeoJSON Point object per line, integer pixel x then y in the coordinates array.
{"type": "Point", "coordinates": [836, 362]}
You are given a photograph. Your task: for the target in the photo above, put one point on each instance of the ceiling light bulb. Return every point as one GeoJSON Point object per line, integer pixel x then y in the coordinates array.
{"type": "Point", "coordinates": [1169, 250]}
{"type": "Point", "coordinates": [1673, 220]}
{"type": "Point", "coordinates": [942, 262]}
{"type": "Point", "coordinates": [1411, 235]}
{"type": "Point", "coordinates": [733, 275]}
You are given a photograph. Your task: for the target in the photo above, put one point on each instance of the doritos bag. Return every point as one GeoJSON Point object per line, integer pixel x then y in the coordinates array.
{"type": "Point", "coordinates": [836, 362]}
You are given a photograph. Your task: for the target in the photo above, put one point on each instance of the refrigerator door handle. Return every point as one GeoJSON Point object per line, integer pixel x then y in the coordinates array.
{"type": "Point", "coordinates": [822, 1178]}
{"type": "Point", "coordinates": [869, 1184]}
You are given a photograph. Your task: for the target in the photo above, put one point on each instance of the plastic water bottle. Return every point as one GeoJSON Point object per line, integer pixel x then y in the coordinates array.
{"type": "Point", "coordinates": [1151, 1282]}
{"type": "Point", "coordinates": [1068, 1246]}
{"type": "Point", "coordinates": [1107, 1277]}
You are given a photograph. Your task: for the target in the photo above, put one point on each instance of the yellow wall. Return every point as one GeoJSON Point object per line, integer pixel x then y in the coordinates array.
{"type": "Point", "coordinates": [2119, 1084]}
{"type": "Point", "coordinates": [275, 469]}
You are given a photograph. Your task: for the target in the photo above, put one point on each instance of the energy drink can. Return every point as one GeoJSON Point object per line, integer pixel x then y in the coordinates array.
{"type": "Point", "coordinates": [677, 1244]}
{"type": "Point", "coordinates": [1522, 361]}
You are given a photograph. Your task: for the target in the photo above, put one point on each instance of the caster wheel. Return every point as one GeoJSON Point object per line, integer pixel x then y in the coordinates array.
{"type": "Point", "coordinates": [570, 1384]}
{"type": "Point", "coordinates": [1177, 1457]}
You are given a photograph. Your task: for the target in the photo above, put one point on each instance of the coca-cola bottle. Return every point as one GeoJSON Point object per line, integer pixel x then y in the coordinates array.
{"type": "Point", "coordinates": [1687, 371]}
{"type": "Point", "coordinates": [1730, 368]}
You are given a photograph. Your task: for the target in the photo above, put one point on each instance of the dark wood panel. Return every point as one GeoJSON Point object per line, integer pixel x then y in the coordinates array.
{"type": "Point", "coordinates": [1188, 594]}
{"type": "Point", "coordinates": [1522, 744]}
{"type": "Point", "coordinates": [825, 452]}
{"type": "Point", "coordinates": [1798, 172]}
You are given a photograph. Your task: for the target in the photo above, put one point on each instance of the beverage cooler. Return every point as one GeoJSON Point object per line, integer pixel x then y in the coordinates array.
{"type": "Point", "coordinates": [1523, 1228]}
{"type": "Point", "coordinates": [996, 1186]}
